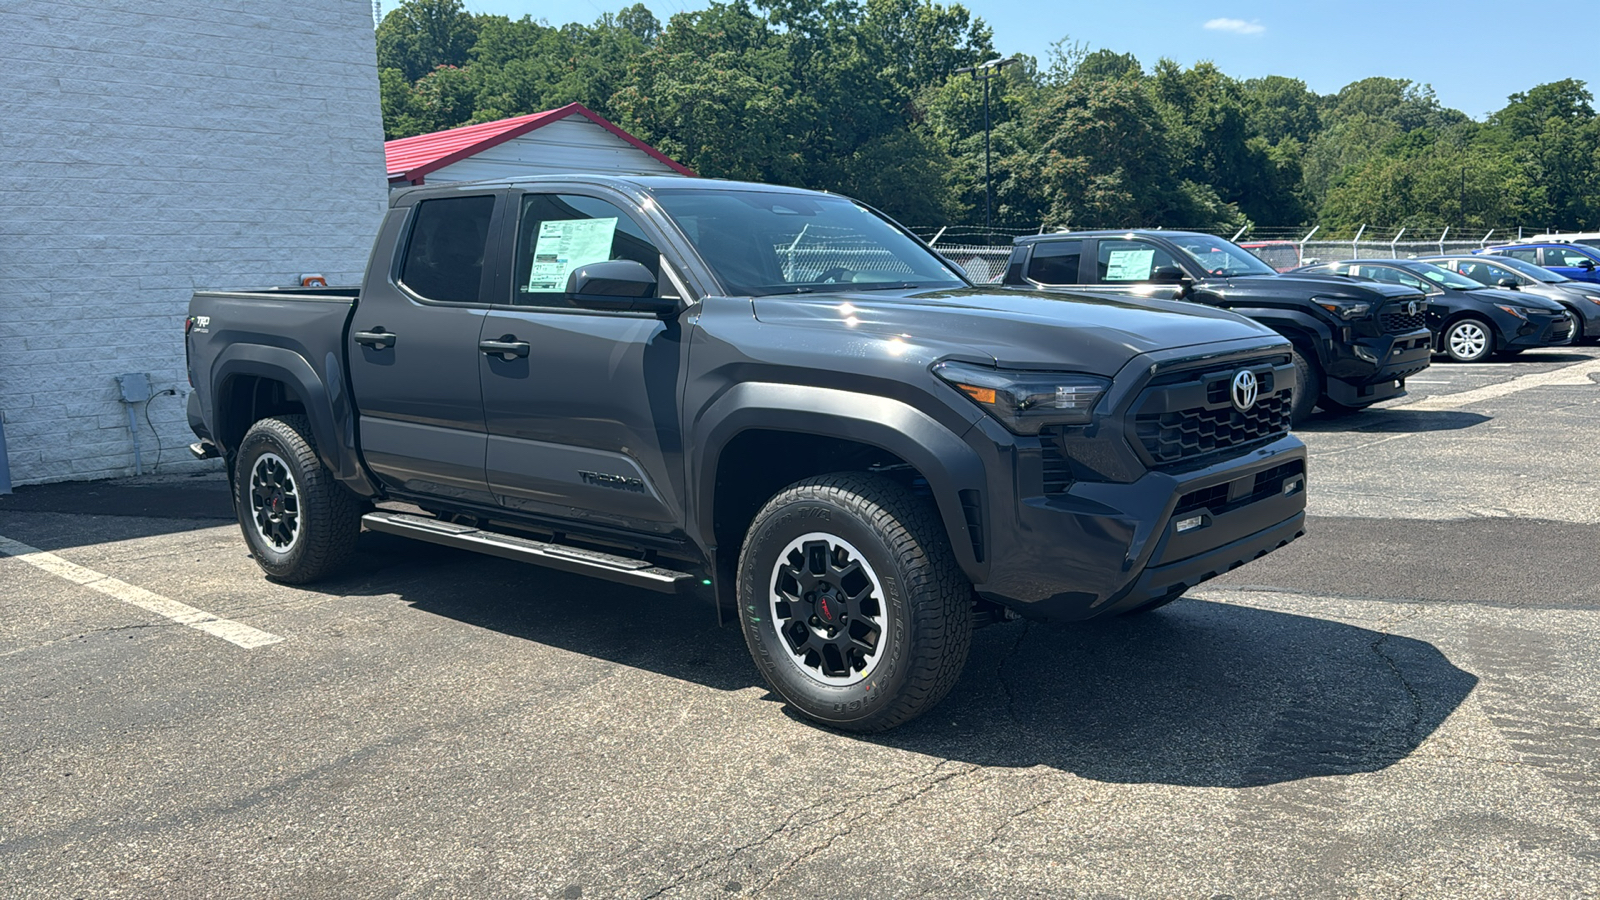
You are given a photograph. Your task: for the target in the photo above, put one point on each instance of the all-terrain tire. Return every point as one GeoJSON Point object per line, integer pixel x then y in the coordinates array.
{"type": "Point", "coordinates": [902, 580]}
{"type": "Point", "coordinates": [300, 523]}
{"type": "Point", "coordinates": [1307, 388]}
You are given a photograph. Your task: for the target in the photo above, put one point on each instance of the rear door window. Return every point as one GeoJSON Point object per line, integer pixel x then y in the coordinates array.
{"type": "Point", "coordinates": [445, 251]}
{"type": "Point", "coordinates": [1056, 262]}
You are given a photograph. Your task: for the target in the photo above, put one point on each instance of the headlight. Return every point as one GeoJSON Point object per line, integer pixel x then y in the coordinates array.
{"type": "Point", "coordinates": [1024, 402]}
{"type": "Point", "coordinates": [1515, 311]}
{"type": "Point", "coordinates": [1592, 298]}
{"type": "Point", "coordinates": [1344, 309]}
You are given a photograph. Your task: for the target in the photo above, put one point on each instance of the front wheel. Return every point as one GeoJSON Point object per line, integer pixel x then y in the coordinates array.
{"type": "Point", "coordinates": [1307, 388]}
{"type": "Point", "coordinates": [300, 523]}
{"type": "Point", "coordinates": [1469, 341]}
{"type": "Point", "coordinates": [851, 602]}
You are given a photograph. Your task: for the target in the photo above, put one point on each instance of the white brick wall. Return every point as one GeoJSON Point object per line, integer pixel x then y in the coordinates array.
{"type": "Point", "coordinates": [149, 148]}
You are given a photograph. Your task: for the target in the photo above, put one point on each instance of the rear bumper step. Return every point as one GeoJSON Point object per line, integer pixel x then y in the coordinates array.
{"type": "Point", "coordinates": [621, 569]}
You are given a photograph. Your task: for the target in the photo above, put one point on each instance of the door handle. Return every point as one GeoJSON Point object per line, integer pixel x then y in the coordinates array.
{"type": "Point", "coordinates": [377, 340]}
{"type": "Point", "coordinates": [505, 349]}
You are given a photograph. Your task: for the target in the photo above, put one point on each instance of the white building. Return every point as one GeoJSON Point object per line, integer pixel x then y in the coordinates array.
{"type": "Point", "coordinates": [149, 148]}
{"type": "Point", "coordinates": [573, 138]}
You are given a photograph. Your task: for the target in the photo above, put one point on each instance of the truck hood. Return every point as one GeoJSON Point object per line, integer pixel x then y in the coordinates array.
{"type": "Point", "coordinates": [1307, 285]}
{"type": "Point", "coordinates": [1017, 328]}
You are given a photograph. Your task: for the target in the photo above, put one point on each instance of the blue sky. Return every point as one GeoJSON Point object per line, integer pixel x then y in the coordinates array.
{"type": "Point", "coordinates": [1473, 53]}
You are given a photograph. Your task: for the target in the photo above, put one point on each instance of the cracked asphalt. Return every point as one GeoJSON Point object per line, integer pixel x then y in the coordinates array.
{"type": "Point", "coordinates": [1403, 704]}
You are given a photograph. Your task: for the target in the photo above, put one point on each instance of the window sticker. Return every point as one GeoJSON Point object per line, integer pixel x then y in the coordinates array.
{"type": "Point", "coordinates": [565, 245]}
{"type": "Point", "coordinates": [1130, 265]}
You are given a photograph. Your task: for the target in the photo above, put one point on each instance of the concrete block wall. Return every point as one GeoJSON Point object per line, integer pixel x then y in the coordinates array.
{"type": "Point", "coordinates": [149, 148]}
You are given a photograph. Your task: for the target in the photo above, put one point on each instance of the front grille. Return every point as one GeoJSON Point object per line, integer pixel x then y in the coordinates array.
{"type": "Point", "coordinates": [1175, 437]}
{"type": "Point", "coordinates": [1561, 330]}
{"type": "Point", "coordinates": [1400, 323]}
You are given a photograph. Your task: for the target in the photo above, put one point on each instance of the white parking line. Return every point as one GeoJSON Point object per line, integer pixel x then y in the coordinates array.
{"type": "Point", "coordinates": [1575, 374]}
{"type": "Point", "coordinates": [182, 613]}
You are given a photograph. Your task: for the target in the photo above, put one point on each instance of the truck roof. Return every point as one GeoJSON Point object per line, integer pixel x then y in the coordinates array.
{"type": "Point", "coordinates": [637, 182]}
{"type": "Point", "coordinates": [1115, 232]}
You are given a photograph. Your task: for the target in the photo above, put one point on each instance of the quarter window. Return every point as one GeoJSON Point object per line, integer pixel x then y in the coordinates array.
{"type": "Point", "coordinates": [1055, 262]}
{"type": "Point", "coordinates": [444, 255]}
{"type": "Point", "coordinates": [560, 233]}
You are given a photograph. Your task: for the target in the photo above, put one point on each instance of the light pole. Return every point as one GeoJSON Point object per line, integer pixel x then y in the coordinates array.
{"type": "Point", "coordinates": [990, 71]}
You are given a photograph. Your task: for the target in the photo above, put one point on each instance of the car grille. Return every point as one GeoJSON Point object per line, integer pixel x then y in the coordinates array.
{"type": "Point", "coordinates": [1267, 484]}
{"type": "Point", "coordinates": [1561, 330]}
{"type": "Point", "coordinates": [1174, 431]}
{"type": "Point", "coordinates": [1400, 323]}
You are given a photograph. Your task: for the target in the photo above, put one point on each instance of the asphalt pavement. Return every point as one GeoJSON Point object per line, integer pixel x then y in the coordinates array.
{"type": "Point", "coordinates": [1402, 704]}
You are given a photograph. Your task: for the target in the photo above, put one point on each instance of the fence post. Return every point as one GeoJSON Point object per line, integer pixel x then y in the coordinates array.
{"type": "Point", "coordinates": [1354, 253]}
{"type": "Point", "coordinates": [1242, 229]}
{"type": "Point", "coordinates": [939, 235]}
{"type": "Point", "coordinates": [1393, 253]}
{"type": "Point", "coordinates": [1485, 242]}
{"type": "Point", "coordinates": [1302, 247]}
{"type": "Point", "coordinates": [1441, 239]}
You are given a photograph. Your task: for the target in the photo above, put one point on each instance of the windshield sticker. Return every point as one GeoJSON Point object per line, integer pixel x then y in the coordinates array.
{"type": "Point", "coordinates": [1129, 265]}
{"type": "Point", "coordinates": [566, 245]}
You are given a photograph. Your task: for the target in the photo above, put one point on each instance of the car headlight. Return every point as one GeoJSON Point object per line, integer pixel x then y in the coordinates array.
{"type": "Point", "coordinates": [1024, 402]}
{"type": "Point", "coordinates": [1592, 298]}
{"type": "Point", "coordinates": [1344, 309]}
{"type": "Point", "coordinates": [1514, 310]}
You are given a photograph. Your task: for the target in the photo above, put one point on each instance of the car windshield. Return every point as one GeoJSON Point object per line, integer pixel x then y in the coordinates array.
{"type": "Point", "coordinates": [1537, 273]}
{"type": "Point", "coordinates": [1444, 277]}
{"type": "Point", "coordinates": [761, 243]}
{"type": "Point", "coordinates": [1220, 257]}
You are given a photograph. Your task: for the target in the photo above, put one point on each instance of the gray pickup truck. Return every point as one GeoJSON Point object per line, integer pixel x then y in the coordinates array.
{"type": "Point", "coordinates": [779, 398]}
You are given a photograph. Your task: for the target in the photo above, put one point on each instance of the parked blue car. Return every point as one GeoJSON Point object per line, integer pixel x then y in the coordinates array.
{"type": "Point", "coordinates": [1580, 262]}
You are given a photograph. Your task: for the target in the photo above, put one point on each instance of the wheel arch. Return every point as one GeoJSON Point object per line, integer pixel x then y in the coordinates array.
{"type": "Point", "coordinates": [793, 431]}
{"type": "Point", "coordinates": [251, 382]}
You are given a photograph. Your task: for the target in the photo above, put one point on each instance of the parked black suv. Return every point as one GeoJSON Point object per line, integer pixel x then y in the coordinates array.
{"type": "Point", "coordinates": [1355, 344]}
{"type": "Point", "coordinates": [665, 382]}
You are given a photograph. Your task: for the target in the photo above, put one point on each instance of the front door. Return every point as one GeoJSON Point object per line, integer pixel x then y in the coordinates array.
{"type": "Point", "coordinates": [414, 351]}
{"type": "Point", "coordinates": [1136, 268]}
{"type": "Point", "coordinates": [582, 406]}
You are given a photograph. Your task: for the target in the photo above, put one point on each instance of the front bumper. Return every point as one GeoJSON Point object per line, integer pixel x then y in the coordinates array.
{"type": "Point", "coordinates": [1539, 330]}
{"type": "Point", "coordinates": [1367, 370]}
{"type": "Point", "coordinates": [1099, 548]}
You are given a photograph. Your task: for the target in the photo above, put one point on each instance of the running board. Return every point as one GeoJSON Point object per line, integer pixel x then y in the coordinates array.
{"type": "Point", "coordinates": [621, 569]}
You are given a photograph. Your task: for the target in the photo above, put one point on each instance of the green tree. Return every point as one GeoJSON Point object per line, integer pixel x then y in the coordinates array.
{"type": "Point", "coordinates": [419, 35]}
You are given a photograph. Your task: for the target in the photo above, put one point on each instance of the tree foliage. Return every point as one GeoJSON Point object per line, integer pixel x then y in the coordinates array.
{"type": "Point", "coordinates": [861, 96]}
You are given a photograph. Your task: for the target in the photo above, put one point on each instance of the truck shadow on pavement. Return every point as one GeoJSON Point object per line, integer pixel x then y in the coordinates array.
{"type": "Point", "coordinates": [1199, 693]}
{"type": "Point", "coordinates": [1392, 421]}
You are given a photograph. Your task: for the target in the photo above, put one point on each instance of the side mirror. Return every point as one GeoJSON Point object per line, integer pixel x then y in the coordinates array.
{"type": "Point", "coordinates": [1171, 275]}
{"type": "Point", "coordinates": [1507, 283]}
{"type": "Point", "coordinates": [1587, 264]}
{"type": "Point", "coordinates": [620, 285]}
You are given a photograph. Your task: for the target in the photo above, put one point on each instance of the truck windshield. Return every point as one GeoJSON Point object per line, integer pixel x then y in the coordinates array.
{"type": "Point", "coordinates": [1220, 257]}
{"type": "Point", "coordinates": [761, 243]}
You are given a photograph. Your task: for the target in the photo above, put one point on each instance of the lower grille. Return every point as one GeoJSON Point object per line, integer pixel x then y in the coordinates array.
{"type": "Point", "coordinates": [1561, 330]}
{"type": "Point", "coordinates": [1215, 498]}
{"type": "Point", "coordinates": [1057, 471]}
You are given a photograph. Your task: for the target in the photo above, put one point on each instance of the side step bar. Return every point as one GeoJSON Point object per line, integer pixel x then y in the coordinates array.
{"type": "Point", "coordinates": [621, 569]}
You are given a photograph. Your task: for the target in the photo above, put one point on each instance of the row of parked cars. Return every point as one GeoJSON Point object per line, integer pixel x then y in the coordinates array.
{"type": "Point", "coordinates": [1359, 327]}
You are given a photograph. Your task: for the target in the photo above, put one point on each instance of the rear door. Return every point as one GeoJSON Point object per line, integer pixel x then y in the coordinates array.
{"type": "Point", "coordinates": [413, 348]}
{"type": "Point", "coordinates": [582, 413]}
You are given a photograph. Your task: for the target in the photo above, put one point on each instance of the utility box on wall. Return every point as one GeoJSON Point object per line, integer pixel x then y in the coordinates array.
{"type": "Point", "coordinates": [151, 149]}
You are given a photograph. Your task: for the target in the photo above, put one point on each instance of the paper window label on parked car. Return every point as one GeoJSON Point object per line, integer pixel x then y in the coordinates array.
{"type": "Point", "coordinates": [565, 245]}
{"type": "Point", "coordinates": [1129, 265]}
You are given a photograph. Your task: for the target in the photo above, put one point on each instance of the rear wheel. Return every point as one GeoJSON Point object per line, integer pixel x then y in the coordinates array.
{"type": "Point", "coordinates": [299, 522]}
{"type": "Point", "coordinates": [851, 602]}
{"type": "Point", "coordinates": [1469, 340]}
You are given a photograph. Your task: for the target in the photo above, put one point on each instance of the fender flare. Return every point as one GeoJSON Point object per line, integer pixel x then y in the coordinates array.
{"type": "Point", "coordinates": [335, 445]}
{"type": "Point", "coordinates": [948, 463]}
{"type": "Point", "coordinates": [1292, 325]}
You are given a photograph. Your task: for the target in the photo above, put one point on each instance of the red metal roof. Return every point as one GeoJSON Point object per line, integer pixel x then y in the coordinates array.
{"type": "Point", "coordinates": [411, 159]}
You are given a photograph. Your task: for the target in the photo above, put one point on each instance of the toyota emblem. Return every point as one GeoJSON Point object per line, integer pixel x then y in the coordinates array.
{"type": "Point", "coordinates": [1245, 390]}
{"type": "Point", "coordinates": [1411, 308]}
